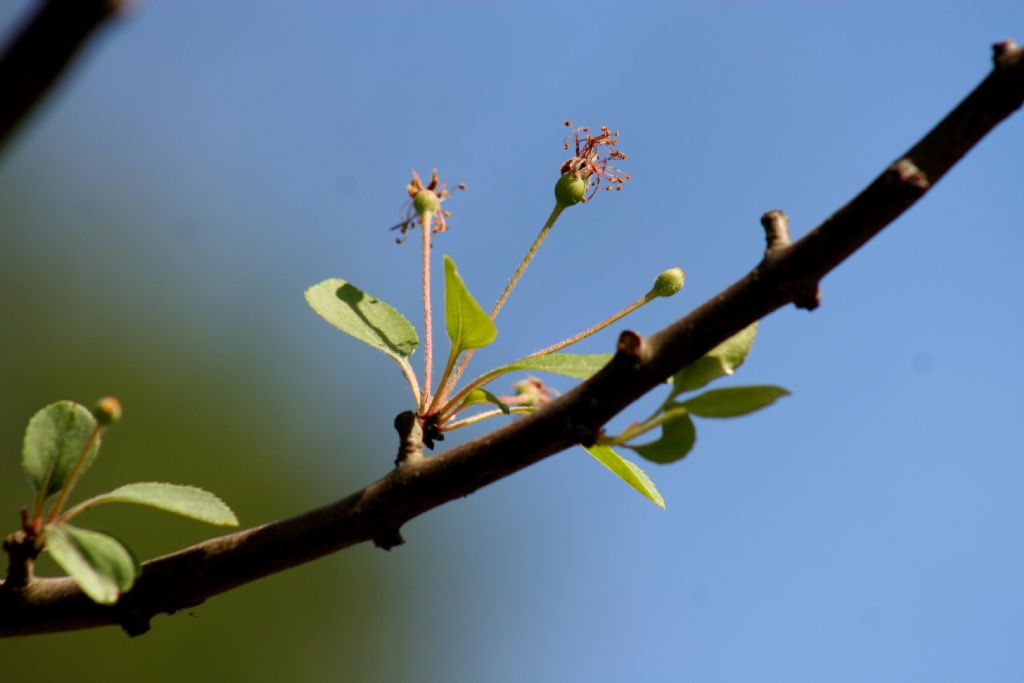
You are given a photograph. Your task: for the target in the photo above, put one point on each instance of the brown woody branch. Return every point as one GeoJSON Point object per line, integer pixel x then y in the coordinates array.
{"type": "Point", "coordinates": [41, 51]}
{"type": "Point", "coordinates": [788, 273]}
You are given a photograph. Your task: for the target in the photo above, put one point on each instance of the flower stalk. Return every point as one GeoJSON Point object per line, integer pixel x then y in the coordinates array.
{"type": "Point", "coordinates": [667, 284]}
{"type": "Point", "coordinates": [580, 177]}
{"type": "Point", "coordinates": [427, 218]}
{"type": "Point", "coordinates": [500, 303]}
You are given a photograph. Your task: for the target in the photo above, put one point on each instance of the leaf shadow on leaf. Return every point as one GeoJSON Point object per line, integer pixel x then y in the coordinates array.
{"type": "Point", "coordinates": [353, 297]}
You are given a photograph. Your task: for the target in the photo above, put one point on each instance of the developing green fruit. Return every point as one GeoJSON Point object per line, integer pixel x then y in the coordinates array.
{"type": "Point", "coordinates": [570, 190]}
{"type": "Point", "coordinates": [426, 200]}
{"type": "Point", "coordinates": [668, 283]}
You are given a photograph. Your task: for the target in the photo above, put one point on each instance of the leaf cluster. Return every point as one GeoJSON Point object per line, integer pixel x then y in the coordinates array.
{"type": "Point", "coordinates": [61, 442]}
{"type": "Point", "coordinates": [379, 325]}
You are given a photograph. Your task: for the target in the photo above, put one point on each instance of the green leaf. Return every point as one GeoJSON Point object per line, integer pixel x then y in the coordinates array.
{"type": "Point", "coordinates": [677, 438]}
{"type": "Point", "coordinates": [734, 401]}
{"type": "Point", "coordinates": [483, 396]}
{"type": "Point", "coordinates": [102, 567]}
{"type": "Point", "coordinates": [469, 326]}
{"type": "Point", "coordinates": [578, 365]}
{"type": "Point", "coordinates": [187, 501]}
{"type": "Point", "coordinates": [54, 439]}
{"type": "Point", "coordinates": [362, 316]}
{"type": "Point", "coordinates": [718, 362]}
{"type": "Point", "coordinates": [627, 471]}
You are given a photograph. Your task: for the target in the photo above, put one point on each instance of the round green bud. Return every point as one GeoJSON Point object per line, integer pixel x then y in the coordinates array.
{"type": "Point", "coordinates": [669, 282]}
{"type": "Point", "coordinates": [570, 190]}
{"type": "Point", "coordinates": [426, 200]}
{"type": "Point", "coordinates": [107, 410]}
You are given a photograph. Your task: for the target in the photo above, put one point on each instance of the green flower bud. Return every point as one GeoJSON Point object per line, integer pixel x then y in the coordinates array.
{"type": "Point", "coordinates": [426, 200]}
{"type": "Point", "coordinates": [107, 410]}
{"type": "Point", "coordinates": [570, 190]}
{"type": "Point", "coordinates": [668, 283]}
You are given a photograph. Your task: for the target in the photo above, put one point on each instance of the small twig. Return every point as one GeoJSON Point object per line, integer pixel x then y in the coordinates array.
{"type": "Point", "coordinates": [776, 230]}
{"type": "Point", "coordinates": [21, 554]}
{"type": "Point", "coordinates": [805, 295]}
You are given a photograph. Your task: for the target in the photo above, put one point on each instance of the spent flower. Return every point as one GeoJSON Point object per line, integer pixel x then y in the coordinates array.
{"type": "Point", "coordinates": [592, 162]}
{"type": "Point", "coordinates": [423, 199]}
{"type": "Point", "coordinates": [530, 392]}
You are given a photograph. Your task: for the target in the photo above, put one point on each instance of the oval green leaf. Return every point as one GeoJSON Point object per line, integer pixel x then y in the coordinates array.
{"type": "Point", "coordinates": [720, 361]}
{"type": "Point", "coordinates": [734, 401]}
{"type": "Point", "coordinates": [483, 396]}
{"type": "Point", "coordinates": [469, 326]}
{"type": "Point", "coordinates": [678, 436]}
{"type": "Point", "coordinates": [187, 501]}
{"type": "Point", "coordinates": [364, 317]}
{"type": "Point", "coordinates": [578, 365]}
{"type": "Point", "coordinates": [102, 567]}
{"type": "Point", "coordinates": [627, 471]}
{"type": "Point", "coordinates": [54, 438]}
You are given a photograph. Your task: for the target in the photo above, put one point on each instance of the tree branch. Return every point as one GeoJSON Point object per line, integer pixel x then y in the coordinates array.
{"type": "Point", "coordinates": [41, 51]}
{"type": "Point", "coordinates": [788, 273]}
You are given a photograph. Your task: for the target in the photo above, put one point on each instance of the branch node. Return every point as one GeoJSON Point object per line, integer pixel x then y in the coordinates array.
{"type": "Point", "coordinates": [21, 552]}
{"type": "Point", "coordinates": [1005, 53]}
{"type": "Point", "coordinates": [906, 172]}
{"type": "Point", "coordinates": [776, 230]}
{"type": "Point", "coordinates": [807, 296]}
{"type": "Point", "coordinates": [631, 346]}
{"type": "Point", "coordinates": [135, 623]}
{"type": "Point", "coordinates": [388, 539]}
{"type": "Point", "coordinates": [410, 438]}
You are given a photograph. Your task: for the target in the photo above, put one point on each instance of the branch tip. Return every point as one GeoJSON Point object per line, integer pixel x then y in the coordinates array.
{"type": "Point", "coordinates": [1005, 53]}
{"type": "Point", "coordinates": [21, 554]}
{"type": "Point", "coordinates": [776, 229]}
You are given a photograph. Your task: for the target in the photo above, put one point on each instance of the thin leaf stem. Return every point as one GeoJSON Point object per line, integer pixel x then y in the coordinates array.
{"type": "Point", "coordinates": [445, 388]}
{"type": "Point", "coordinates": [485, 415]}
{"type": "Point", "coordinates": [640, 428]}
{"type": "Point", "coordinates": [555, 213]}
{"type": "Point", "coordinates": [76, 471]}
{"type": "Point", "coordinates": [75, 510]}
{"type": "Point", "coordinates": [452, 357]}
{"type": "Point", "coordinates": [410, 377]}
{"type": "Point", "coordinates": [595, 329]}
{"type": "Point", "coordinates": [448, 410]}
{"type": "Point", "coordinates": [426, 220]}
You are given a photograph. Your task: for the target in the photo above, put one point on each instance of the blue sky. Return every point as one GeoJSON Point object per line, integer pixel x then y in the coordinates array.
{"type": "Point", "coordinates": [866, 528]}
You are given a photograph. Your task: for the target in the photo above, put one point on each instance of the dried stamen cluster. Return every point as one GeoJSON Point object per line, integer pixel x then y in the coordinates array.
{"type": "Point", "coordinates": [438, 192]}
{"type": "Point", "coordinates": [592, 161]}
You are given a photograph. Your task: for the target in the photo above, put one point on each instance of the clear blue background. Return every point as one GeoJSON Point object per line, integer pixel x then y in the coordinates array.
{"type": "Point", "coordinates": [205, 162]}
